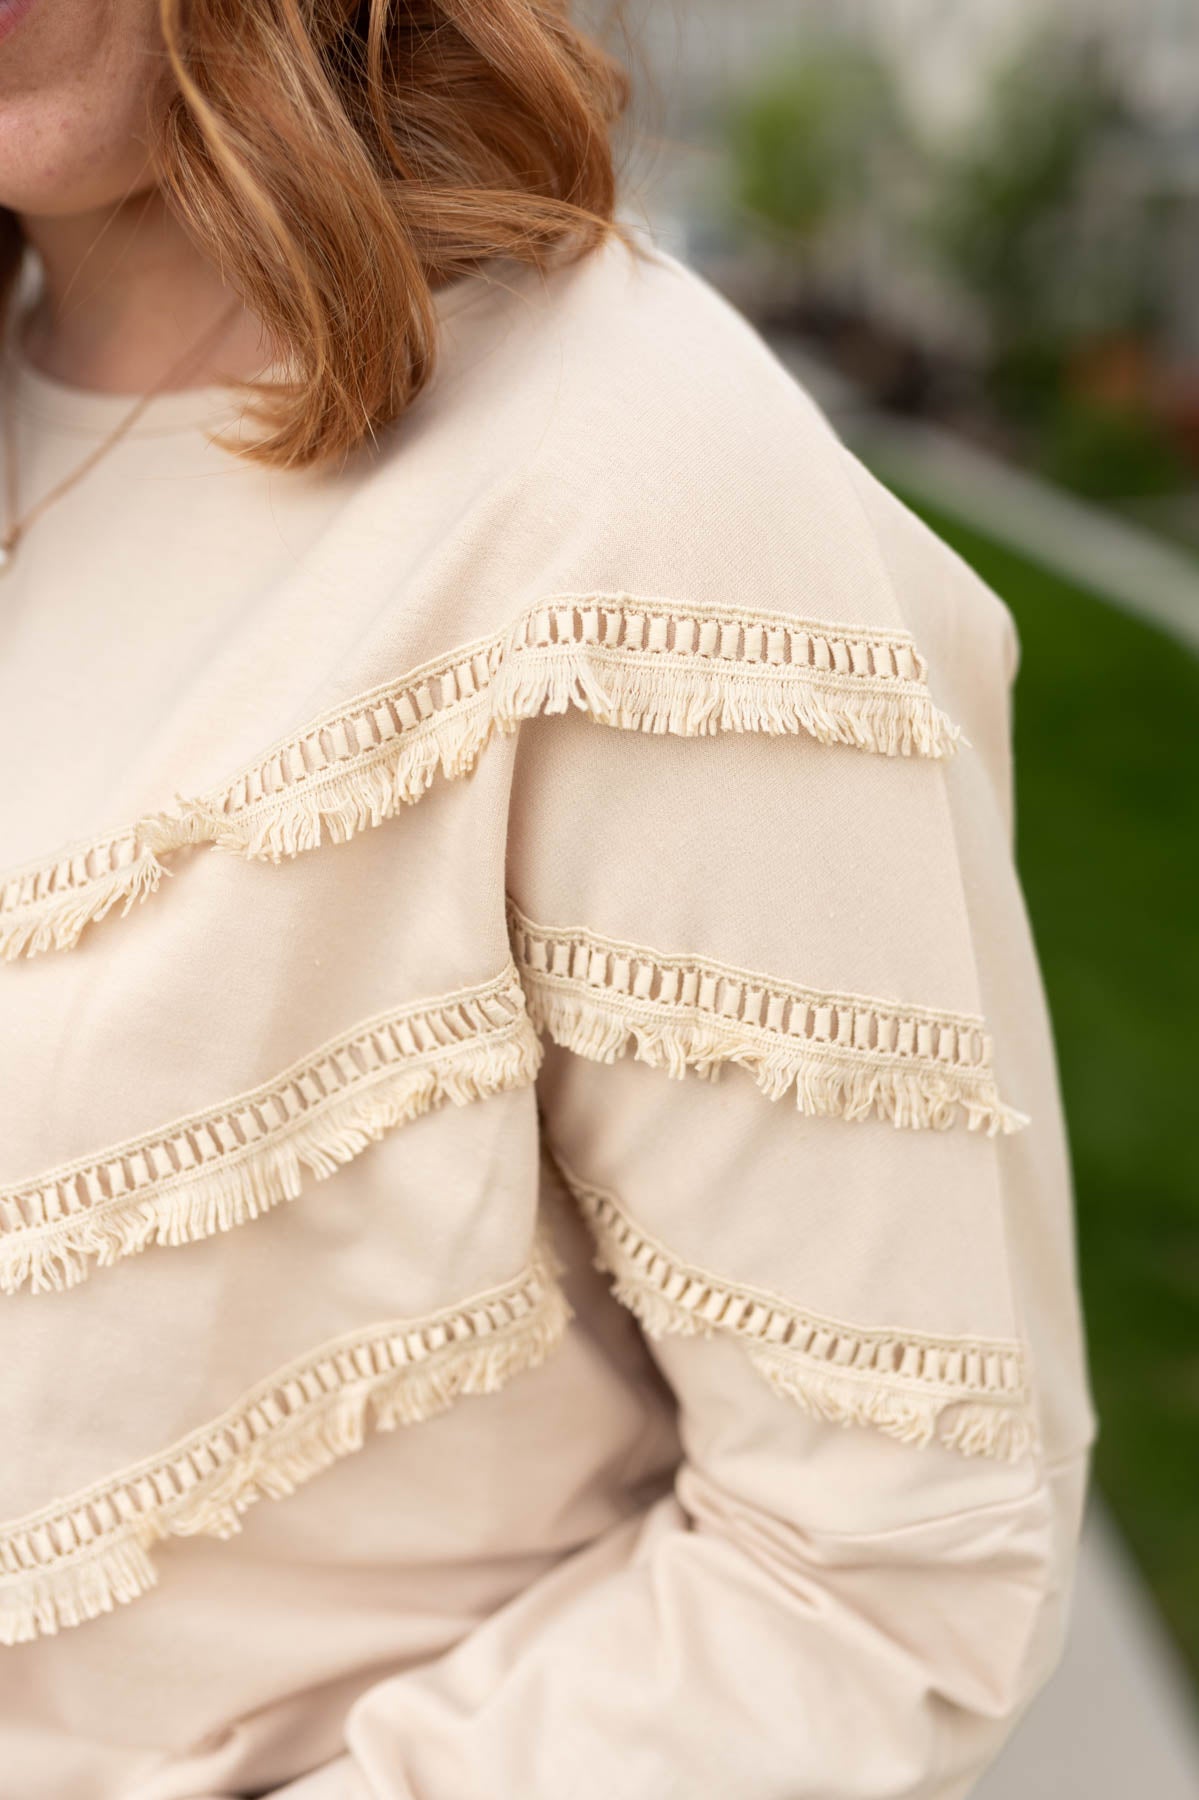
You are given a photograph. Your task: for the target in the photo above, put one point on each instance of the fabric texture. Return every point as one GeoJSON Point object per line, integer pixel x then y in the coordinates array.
{"type": "Point", "coordinates": [536, 1238]}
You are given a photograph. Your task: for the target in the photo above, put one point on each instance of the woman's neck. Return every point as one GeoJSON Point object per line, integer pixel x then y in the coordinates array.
{"type": "Point", "coordinates": [124, 292]}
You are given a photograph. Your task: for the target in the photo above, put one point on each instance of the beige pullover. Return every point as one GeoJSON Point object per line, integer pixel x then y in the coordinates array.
{"type": "Point", "coordinates": [536, 1242]}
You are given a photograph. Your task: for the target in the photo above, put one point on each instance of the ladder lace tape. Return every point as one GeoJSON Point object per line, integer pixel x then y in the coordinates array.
{"type": "Point", "coordinates": [969, 1394]}
{"type": "Point", "coordinates": [223, 1167]}
{"type": "Point", "coordinates": [844, 1055]}
{"type": "Point", "coordinates": [82, 1556]}
{"type": "Point", "coordinates": [627, 661]}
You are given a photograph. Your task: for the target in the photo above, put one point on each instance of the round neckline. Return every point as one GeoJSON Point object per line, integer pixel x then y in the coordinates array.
{"type": "Point", "coordinates": [92, 411]}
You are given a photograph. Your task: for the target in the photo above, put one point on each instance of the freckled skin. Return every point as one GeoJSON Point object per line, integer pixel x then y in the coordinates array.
{"type": "Point", "coordinates": [124, 288]}
{"type": "Point", "coordinates": [76, 77]}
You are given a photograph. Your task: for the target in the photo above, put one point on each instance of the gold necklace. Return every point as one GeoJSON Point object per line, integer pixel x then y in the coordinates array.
{"type": "Point", "coordinates": [15, 526]}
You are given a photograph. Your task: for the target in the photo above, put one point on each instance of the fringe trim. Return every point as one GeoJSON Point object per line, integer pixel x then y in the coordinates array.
{"type": "Point", "coordinates": [631, 663]}
{"type": "Point", "coordinates": [219, 1170]}
{"type": "Point", "coordinates": [82, 1558]}
{"type": "Point", "coordinates": [970, 1395]}
{"type": "Point", "coordinates": [845, 1055]}
{"type": "Point", "coordinates": [57, 918]}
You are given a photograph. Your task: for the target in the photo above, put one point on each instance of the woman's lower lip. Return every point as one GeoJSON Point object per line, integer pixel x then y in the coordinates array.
{"type": "Point", "coordinates": [11, 14]}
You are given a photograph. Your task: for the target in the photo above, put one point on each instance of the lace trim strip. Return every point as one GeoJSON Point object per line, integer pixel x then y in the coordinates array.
{"type": "Point", "coordinates": [81, 1557]}
{"type": "Point", "coordinates": [843, 1054]}
{"type": "Point", "coordinates": [220, 1168]}
{"type": "Point", "coordinates": [630, 662]}
{"type": "Point", "coordinates": [969, 1394]}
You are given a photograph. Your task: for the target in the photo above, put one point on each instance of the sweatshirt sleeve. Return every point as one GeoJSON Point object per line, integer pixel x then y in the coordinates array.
{"type": "Point", "coordinates": [798, 1088]}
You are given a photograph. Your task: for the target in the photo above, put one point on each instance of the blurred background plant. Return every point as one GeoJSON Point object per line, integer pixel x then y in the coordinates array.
{"type": "Point", "coordinates": [1045, 228]}
{"type": "Point", "coordinates": [807, 143]}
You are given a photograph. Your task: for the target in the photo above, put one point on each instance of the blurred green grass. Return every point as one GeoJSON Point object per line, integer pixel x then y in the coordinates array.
{"type": "Point", "coordinates": [1107, 819]}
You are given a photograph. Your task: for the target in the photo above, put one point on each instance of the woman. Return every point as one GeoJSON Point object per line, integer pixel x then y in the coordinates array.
{"type": "Point", "coordinates": [410, 1390]}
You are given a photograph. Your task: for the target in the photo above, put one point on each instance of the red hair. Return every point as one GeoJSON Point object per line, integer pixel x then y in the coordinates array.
{"type": "Point", "coordinates": [340, 159]}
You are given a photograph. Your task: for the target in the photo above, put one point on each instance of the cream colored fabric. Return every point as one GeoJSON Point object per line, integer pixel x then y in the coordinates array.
{"type": "Point", "coordinates": [535, 1226]}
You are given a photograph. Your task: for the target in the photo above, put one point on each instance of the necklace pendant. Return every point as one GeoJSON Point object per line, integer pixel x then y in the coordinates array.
{"type": "Point", "coordinates": [5, 556]}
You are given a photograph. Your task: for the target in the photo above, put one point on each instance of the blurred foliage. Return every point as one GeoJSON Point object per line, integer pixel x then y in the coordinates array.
{"type": "Point", "coordinates": [1008, 212]}
{"type": "Point", "coordinates": [806, 138]}
{"type": "Point", "coordinates": [1042, 218]}
{"type": "Point", "coordinates": [1104, 449]}
{"type": "Point", "coordinates": [1107, 818]}
{"type": "Point", "coordinates": [1034, 217]}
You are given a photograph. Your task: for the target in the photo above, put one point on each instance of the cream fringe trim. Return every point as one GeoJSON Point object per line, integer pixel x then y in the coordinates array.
{"type": "Point", "coordinates": [970, 1395]}
{"type": "Point", "coordinates": [845, 1055]}
{"type": "Point", "coordinates": [631, 663]}
{"type": "Point", "coordinates": [49, 907]}
{"type": "Point", "coordinates": [82, 1557]}
{"type": "Point", "coordinates": [218, 1170]}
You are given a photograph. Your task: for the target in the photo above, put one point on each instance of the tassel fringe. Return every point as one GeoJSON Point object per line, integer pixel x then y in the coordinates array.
{"type": "Point", "coordinates": [968, 1395]}
{"type": "Point", "coordinates": [332, 1108]}
{"type": "Point", "coordinates": [844, 1056]}
{"type": "Point", "coordinates": [75, 1563]}
{"type": "Point", "coordinates": [58, 921]}
{"type": "Point", "coordinates": [629, 663]}
{"type": "Point", "coordinates": [974, 1430]}
{"type": "Point", "coordinates": [684, 703]}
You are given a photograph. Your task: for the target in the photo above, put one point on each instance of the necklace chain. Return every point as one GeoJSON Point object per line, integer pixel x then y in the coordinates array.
{"type": "Point", "coordinates": [16, 525]}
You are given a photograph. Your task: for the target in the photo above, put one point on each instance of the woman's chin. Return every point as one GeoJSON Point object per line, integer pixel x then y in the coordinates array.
{"type": "Point", "coordinates": [76, 80]}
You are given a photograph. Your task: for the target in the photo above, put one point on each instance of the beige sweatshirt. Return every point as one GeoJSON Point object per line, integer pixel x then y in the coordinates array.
{"type": "Point", "coordinates": [535, 1228]}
